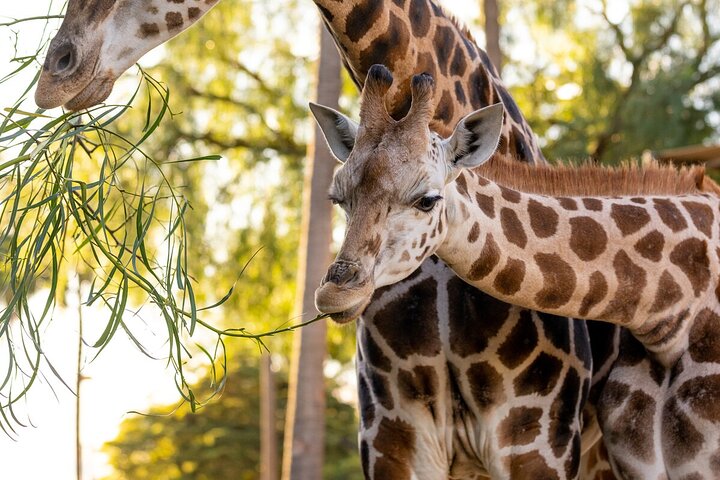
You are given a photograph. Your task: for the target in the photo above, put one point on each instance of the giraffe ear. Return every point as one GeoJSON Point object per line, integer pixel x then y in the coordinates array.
{"type": "Point", "coordinates": [475, 137]}
{"type": "Point", "coordinates": [339, 131]}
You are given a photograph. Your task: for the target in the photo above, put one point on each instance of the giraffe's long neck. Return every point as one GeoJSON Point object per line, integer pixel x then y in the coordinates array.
{"type": "Point", "coordinates": [646, 263]}
{"type": "Point", "coordinates": [411, 37]}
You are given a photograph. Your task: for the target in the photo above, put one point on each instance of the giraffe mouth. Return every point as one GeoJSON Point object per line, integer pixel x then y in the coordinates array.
{"type": "Point", "coordinates": [343, 303]}
{"type": "Point", "coordinates": [94, 93]}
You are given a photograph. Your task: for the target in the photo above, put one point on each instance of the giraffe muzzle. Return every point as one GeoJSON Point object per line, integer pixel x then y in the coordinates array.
{"type": "Point", "coordinates": [345, 291]}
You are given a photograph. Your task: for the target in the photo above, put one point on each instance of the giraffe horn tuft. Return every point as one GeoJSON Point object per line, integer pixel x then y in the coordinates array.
{"type": "Point", "coordinates": [421, 109]}
{"type": "Point", "coordinates": [372, 106]}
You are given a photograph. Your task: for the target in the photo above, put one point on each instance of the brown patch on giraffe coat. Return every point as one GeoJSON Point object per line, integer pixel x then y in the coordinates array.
{"type": "Point", "coordinates": [478, 88]}
{"type": "Point", "coordinates": [670, 214]}
{"type": "Point", "coordinates": [539, 377]}
{"type": "Point", "coordinates": [520, 343]}
{"type": "Point", "coordinates": [668, 293]}
{"type": "Point", "coordinates": [563, 413]}
{"type": "Point", "coordinates": [466, 301]}
{"type": "Point", "coordinates": [395, 442]}
{"type": "Point", "coordinates": [651, 246]}
{"type": "Point", "coordinates": [419, 14]}
{"type": "Point", "coordinates": [631, 284]}
{"type": "Point", "coordinates": [360, 17]}
{"type": "Point", "coordinates": [174, 20]}
{"type": "Point", "coordinates": [419, 384]}
{"type": "Point", "coordinates": [445, 110]}
{"type": "Point", "coordinates": [474, 233]}
{"type": "Point", "coordinates": [512, 228]}
{"type": "Point", "coordinates": [639, 200]}
{"type": "Point", "coordinates": [593, 204]}
{"type": "Point", "coordinates": [587, 238]}
{"type": "Point", "coordinates": [380, 386]}
{"type": "Point", "coordinates": [701, 215]}
{"type": "Point", "coordinates": [567, 203]}
{"type": "Point", "coordinates": [389, 48]}
{"type": "Point", "coordinates": [558, 280]}
{"type": "Point", "coordinates": [459, 63]}
{"type": "Point", "coordinates": [461, 185]}
{"type": "Point", "coordinates": [530, 465]}
{"type": "Point", "coordinates": [366, 403]}
{"type": "Point", "coordinates": [543, 219]}
{"type": "Point", "coordinates": [692, 258]}
{"type": "Point", "coordinates": [148, 30]}
{"type": "Point", "coordinates": [509, 279]}
{"type": "Point", "coordinates": [702, 394]}
{"type": "Point", "coordinates": [511, 196]}
{"type": "Point", "coordinates": [373, 353]}
{"type": "Point", "coordinates": [486, 262]}
{"type": "Point", "coordinates": [365, 457]}
{"type": "Point", "coordinates": [681, 440]}
{"type": "Point", "coordinates": [557, 330]}
{"type": "Point", "coordinates": [613, 395]}
{"type": "Point", "coordinates": [486, 204]}
{"type": "Point", "coordinates": [520, 427]}
{"type": "Point", "coordinates": [460, 93]}
{"type": "Point", "coordinates": [597, 291]}
{"type": "Point", "coordinates": [485, 385]}
{"type": "Point", "coordinates": [193, 13]}
{"type": "Point", "coordinates": [634, 428]}
{"type": "Point", "coordinates": [408, 323]}
{"type": "Point", "coordinates": [704, 340]}
{"type": "Point", "coordinates": [629, 218]}
{"type": "Point", "coordinates": [444, 42]}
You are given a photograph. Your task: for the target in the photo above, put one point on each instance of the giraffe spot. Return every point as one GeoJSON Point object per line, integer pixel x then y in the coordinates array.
{"type": "Point", "coordinates": [701, 215]}
{"type": "Point", "coordinates": [459, 64]}
{"type": "Point", "coordinates": [597, 291]}
{"type": "Point", "coordinates": [444, 110]}
{"type": "Point", "coordinates": [509, 279]}
{"type": "Point", "coordinates": [520, 427]}
{"type": "Point", "coordinates": [631, 283]}
{"type": "Point", "coordinates": [380, 386]}
{"type": "Point", "coordinates": [629, 218]}
{"type": "Point", "coordinates": [399, 3]}
{"type": "Point", "coordinates": [632, 352]}
{"type": "Point", "coordinates": [420, 384]}
{"type": "Point", "coordinates": [461, 185]}
{"type": "Point", "coordinates": [365, 457]}
{"type": "Point", "coordinates": [563, 413]}
{"type": "Point", "coordinates": [327, 15]}
{"type": "Point", "coordinates": [702, 394]}
{"type": "Point", "coordinates": [478, 87]}
{"type": "Point", "coordinates": [583, 351]}
{"type": "Point", "coordinates": [691, 257]}
{"type": "Point", "coordinates": [603, 339]}
{"type": "Point", "coordinates": [466, 301]}
{"type": "Point", "coordinates": [511, 196]}
{"type": "Point", "coordinates": [543, 219]}
{"type": "Point", "coordinates": [539, 377]}
{"type": "Point", "coordinates": [592, 204]}
{"type": "Point", "coordinates": [360, 17]}
{"type": "Point", "coordinates": [474, 233]}
{"type": "Point", "coordinates": [704, 341]}
{"type": "Point", "coordinates": [472, 49]}
{"type": "Point", "coordinates": [567, 203]}
{"type": "Point", "coordinates": [670, 214]}
{"type": "Point", "coordinates": [661, 332]}
{"type": "Point", "coordinates": [395, 444]}
{"type": "Point", "coordinates": [148, 30]}
{"type": "Point", "coordinates": [557, 330]}
{"type": "Point", "coordinates": [520, 464]}
{"type": "Point", "coordinates": [372, 351]}
{"type": "Point", "coordinates": [587, 238]}
{"type": "Point", "coordinates": [486, 204]}
{"type": "Point", "coordinates": [681, 441]}
{"type": "Point", "coordinates": [520, 343]}
{"type": "Point", "coordinates": [639, 200]}
{"type": "Point", "coordinates": [460, 93]}
{"type": "Point", "coordinates": [485, 385]}
{"type": "Point", "coordinates": [572, 464]}
{"type": "Point", "coordinates": [405, 256]}
{"type": "Point", "coordinates": [409, 324]}
{"type": "Point", "coordinates": [444, 42]}
{"type": "Point", "coordinates": [174, 20]}
{"type": "Point", "coordinates": [193, 13]}
{"type": "Point", "coordinates": [634, 430]}
{"type": "Point", "coordinates": [510, 105]}
{"type": "Point", "coordinates": [389, 48]}
{"type": "Point", "coordinates": [519, 148]}
{"type": "Point", "coordinates": [485, 263]}
{"type": "Point", "coordinates": [367, 406]}
{"type": "Point", "coordinates": [613, 395]}
{"type": "Point", "coordinates": [668, 293]}
{"type": "Point", "coordinates": [558, 280]}
{"type": "Point", "coordinates": [512, 228]}
{"type": "Point", "coordinates": [651, 246]}
{"type": "Point", "coordinates": [419, 18]}
{"type": "Point", "coordinates": [503, 146]}
{"type": "Point", "coordinates": [152, 10]}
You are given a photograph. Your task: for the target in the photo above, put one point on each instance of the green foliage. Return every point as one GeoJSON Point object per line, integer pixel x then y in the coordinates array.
{"type": "Point", "coordinates": [222, 441]}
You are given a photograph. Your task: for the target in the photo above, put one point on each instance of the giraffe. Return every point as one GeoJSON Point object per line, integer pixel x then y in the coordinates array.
{"type": "Point", "coordinates": [99, 39]}
{"type": "Point", "coordinates": [639, 248]}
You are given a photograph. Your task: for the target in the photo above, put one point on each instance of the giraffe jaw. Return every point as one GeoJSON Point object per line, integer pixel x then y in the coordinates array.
{"type": "Point", "coordinates": [344, 304]}
{"type": "Point", "coordinates": [50, 93]}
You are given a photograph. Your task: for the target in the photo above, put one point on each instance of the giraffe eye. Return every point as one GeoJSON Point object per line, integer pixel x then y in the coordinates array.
{"type": "Point", "coordinates": [427, 203]}
{"type": "Point", "coordinates": [336, 200]}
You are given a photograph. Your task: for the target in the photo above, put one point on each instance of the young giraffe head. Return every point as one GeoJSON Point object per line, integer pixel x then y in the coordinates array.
{"type": "Point", "coordinates": [391, 187]}
{"type": "Point", "coordinates": [100, 39]}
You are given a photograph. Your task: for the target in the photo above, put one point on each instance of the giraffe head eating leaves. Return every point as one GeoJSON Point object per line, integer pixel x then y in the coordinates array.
{"type": "Point", "coordinates": [391, 187]}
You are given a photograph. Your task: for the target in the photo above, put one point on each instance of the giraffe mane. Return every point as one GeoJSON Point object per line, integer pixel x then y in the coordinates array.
{"type": "Point", "coordinates": [595, 180]}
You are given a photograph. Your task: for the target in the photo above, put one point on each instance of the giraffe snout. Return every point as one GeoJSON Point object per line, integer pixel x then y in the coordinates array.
{"type": "Point", "coordinates": [342, 273]}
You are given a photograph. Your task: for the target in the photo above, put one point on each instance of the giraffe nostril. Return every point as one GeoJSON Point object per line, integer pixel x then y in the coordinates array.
{"type": "Point", "coordinates": [62, 60]}
{"type": "Point", "coordinates": [342, 273]}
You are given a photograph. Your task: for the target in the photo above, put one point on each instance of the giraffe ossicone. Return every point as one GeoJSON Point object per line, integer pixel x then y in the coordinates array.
{"type": "Point", "coordinates": [644, 256]}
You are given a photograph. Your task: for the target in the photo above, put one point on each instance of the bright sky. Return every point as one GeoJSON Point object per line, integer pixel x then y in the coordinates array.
{"type": "Point", "coordinates": [121, 379]}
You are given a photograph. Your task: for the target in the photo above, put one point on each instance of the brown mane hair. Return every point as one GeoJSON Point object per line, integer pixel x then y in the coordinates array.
{"type": "Point", "coordinates": [594, 180]}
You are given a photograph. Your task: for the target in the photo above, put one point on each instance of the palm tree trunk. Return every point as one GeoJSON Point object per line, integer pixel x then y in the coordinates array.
{"type": "Point", "coordinates": [305, 423]}
{"type": "Point", "coordinates": [78, 381]}
{"type": "Point", "coordinates": [491, 12]}
{"type": "Point", "coordinates": [268, 443]}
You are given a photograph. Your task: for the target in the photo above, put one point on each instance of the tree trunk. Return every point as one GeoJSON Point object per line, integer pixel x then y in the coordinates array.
{"type": "Point", "coordinates": [268, 442]}
{"type": "Point", "coordinates": [491, 12]}
{"type": "Point", "coordinates": [78, 382]}
{"type": "Point", "coordinates": [305, 423]}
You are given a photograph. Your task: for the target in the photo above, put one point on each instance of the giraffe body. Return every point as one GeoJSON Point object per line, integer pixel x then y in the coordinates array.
{"type": "Point", "coordinates": [99, 39]}
{"type": "Point", "coordinates": [645, 257]}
